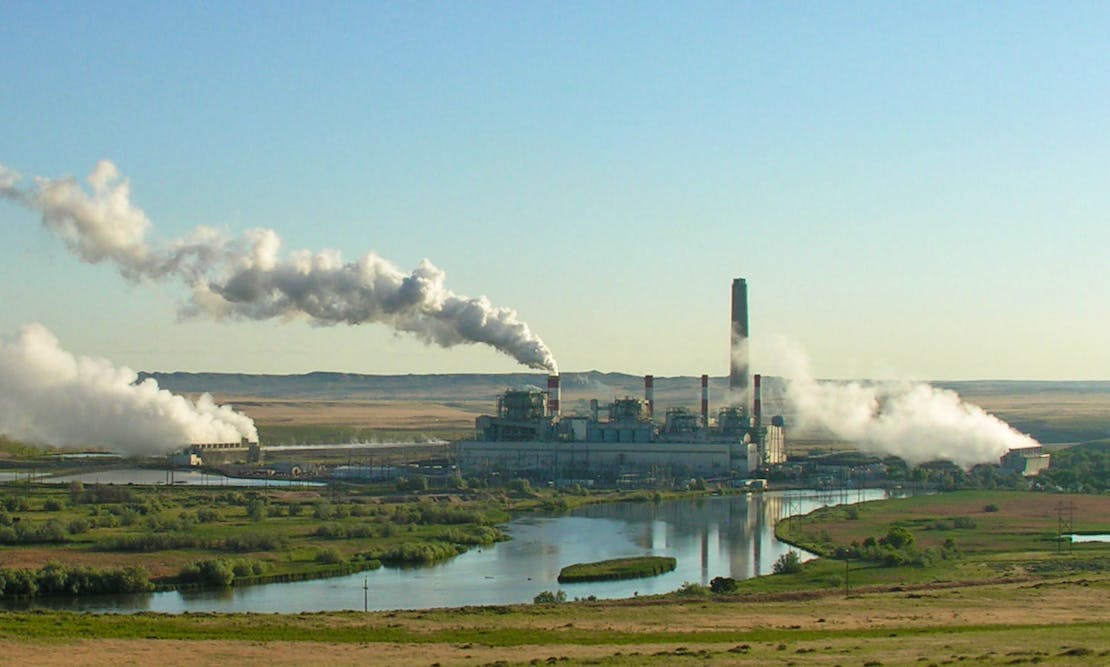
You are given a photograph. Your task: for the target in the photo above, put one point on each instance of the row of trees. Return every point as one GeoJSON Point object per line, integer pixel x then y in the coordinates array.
{"type": "Point", "coordinates": [56, 578]}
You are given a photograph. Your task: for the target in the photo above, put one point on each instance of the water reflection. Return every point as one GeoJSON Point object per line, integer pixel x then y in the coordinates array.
{"type": "Point", "coordinates": [721, 536]}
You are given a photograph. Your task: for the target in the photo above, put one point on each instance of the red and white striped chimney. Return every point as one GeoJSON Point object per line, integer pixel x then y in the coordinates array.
{"type": "Point", "coordinates": [553, 395]}
{"type": "Point", "coordinates": [705, 400]}
{"type": "Point", "coordinates": [649, 394]}
{"type": "Point", "coordinates": [757, 400]}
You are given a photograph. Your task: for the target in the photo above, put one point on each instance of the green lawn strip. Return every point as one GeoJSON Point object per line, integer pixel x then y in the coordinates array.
{"type": "Point", "coordinates": [323, 628]}
{"type": "Point", "coordinates": [617, 568]}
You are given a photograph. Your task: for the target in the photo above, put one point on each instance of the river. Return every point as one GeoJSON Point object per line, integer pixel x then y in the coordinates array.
{"type": "Point", "coordinates": [715, 536]}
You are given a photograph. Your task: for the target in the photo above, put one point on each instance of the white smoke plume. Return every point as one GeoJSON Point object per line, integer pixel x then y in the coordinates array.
{"type": "Point", "coordinates": [248, 278]}
{"type": "Point", "coordinates": [912, 420]}
{"type": "Point", "coordinates": [50, 396]}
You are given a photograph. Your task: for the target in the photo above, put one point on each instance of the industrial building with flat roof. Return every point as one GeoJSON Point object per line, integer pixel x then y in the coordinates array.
{"type": "Point", "coordinates": [529, 436]}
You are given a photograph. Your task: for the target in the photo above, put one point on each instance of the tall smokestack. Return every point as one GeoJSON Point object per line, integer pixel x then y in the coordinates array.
{"type": "Point", "coordinates": [705, 400]}
{"type": "Point", "coordinates": [553, 395]}
{"type": "Point", "coordinates": [738, 369]}
{"type": "Point", "coordinates": [649, 394]}
{"type": "Point", "coordinates": [757, 407]}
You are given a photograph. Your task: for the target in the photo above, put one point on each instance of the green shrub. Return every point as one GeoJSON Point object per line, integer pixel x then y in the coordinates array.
{"type": "Point", "coordinates": [898, 538]}
{"type": "Point", "coordinates": [788, 563]}
{"type": "Point", "coordinates": [217, 572]}
{"type": "Point", "coordinates": [418, 553]}
{"type": "Point", "coordinates": [55, 578]}
{"type": "Point", "coordinates": [964, 522]}
{"type": "Point", "coordinates": [724, 585]}
{"type": "Point", "coordinates": [547, 597]}
{"type": "Point", "coordinates": [690, 589]}
{"type": "Point", "coordinates": [329, 556]}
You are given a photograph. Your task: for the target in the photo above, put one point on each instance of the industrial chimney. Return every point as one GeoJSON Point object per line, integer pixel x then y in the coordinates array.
{"type": "Point", "coordinates": [649, 395]}
{"type": "Point", "coordinates": [705, 400]}
{"type": "Point", "coordinates": [757, 401]}
{"type": "Point", "coordinates": [738, 369]}
{"type": "Point", "coordinates": [553, 395]}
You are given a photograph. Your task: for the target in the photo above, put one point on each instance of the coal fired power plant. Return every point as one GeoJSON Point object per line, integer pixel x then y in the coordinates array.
{"type": "Point", "coordinates": [531, 436]}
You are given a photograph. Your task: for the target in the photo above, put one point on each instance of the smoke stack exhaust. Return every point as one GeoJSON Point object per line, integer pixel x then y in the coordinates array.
{"type": "Point", "coordinates": [738, 369]}
{"type": "Point", "coordinates": [649, 394]}
{"type": "Point", "coordinates": [553, 395]}
{"type": "Point", "coordinates": [705, 400]}
{"type": "Point", "coordinates": [757, 401]}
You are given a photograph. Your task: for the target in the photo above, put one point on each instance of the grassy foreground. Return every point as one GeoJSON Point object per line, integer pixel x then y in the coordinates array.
{"type": "Point", "coordinates": [1056, 621]}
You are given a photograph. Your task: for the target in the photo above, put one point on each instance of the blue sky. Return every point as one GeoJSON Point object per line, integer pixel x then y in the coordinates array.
{"type": "Point", "coordinates": [911, 189]}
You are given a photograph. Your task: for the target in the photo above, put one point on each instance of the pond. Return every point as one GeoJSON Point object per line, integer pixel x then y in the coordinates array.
{"type": "Point", "coordinates": [729, 536]}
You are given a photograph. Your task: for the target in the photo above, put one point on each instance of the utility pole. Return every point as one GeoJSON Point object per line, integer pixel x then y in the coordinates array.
{"type": "Point", "coordinates": [1065, 524]}
{"type": "Point", "coordinates": [366, 594]}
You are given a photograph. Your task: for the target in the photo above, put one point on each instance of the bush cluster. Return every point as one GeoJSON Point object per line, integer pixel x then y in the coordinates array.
{"type": "Point", "coordinates": [220, 571]}
{"type": "Point", "coordinates": [418, 553]}
{"type": "Point", "coordinates": [897, 547]}
{"type": "Point", "coordinates": [788, 563]}
{"type": "Point", "coordinates": [55, 578]}
{"type": "Point", "coordinates": [547, 597]}
{"type": "Point", "coordinates": [28, 532]}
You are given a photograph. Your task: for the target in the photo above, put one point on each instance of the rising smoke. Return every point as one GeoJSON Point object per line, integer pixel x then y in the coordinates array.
{"type": "Point", "coordinates": [912, 420]}
{"type": "Point", "coordinates": [50, 396]}
{"type": "Point", "coordinates": [248, 278]}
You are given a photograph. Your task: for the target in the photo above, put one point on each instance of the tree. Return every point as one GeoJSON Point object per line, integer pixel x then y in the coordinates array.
{"type": "Point", "coordinates": [788, 563]}
{"type": "Point", "coordinates": [898, 538]}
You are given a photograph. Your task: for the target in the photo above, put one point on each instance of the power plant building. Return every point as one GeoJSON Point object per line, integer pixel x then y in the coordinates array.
{"type": "Point", "coordinates": [529, 436]}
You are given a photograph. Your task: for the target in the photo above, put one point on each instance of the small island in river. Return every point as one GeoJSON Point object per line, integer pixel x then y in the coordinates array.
{"type": "Point", "coordinates": [617, 568]}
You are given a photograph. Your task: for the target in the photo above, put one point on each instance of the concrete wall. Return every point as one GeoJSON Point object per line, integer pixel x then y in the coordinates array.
{"type": "Point", "coordinates": [703, 459]}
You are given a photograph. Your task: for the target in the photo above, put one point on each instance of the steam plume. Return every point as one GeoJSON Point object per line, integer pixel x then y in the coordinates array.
{"type": "Point", "coordinates": [247, 277]}
{"type": "Point", "coordinates": [913, 420]}
{"type": "Point", "coordinates": [50, 396]}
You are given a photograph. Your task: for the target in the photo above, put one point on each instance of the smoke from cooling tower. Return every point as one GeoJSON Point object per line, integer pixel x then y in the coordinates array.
{"type": "Point", "coordinates": [50, 396]}
{"type": "Point", "coordinates": [248, 278]}
{"type": "Point", "coordinates": [912, 420]}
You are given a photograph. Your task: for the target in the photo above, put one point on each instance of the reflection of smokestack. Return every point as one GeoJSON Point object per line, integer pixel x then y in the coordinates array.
{"type": "Point", "coordinates": [738, 371]}
{"type": "Point", "coordinates": [553, 395]}
{"type": "Point", "coordinates": [757, 407]}
{"type": "Point", "coordinates": [705, 400]}
{"type": "Point", "coordinates": [649, 394]}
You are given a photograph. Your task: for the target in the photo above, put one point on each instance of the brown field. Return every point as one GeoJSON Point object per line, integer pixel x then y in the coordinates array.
{"type": "Point", "coordinates": [378, 414]}
{"type": "Point", "coordinates": [159, 564]}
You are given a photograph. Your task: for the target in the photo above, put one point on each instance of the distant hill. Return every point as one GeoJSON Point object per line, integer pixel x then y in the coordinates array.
{"type": "Point", "coordinates": [445, 387]}
{"type": "Point", "coordinates": [1049, 411]}
{"type": "Point", "coordinates": [479, 385]}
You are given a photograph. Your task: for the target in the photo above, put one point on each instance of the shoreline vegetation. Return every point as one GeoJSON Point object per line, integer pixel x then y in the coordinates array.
{"type": "Point", "coordinates": [617, 568]}
{"type": "Point", "coordinates": [79, 539]}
